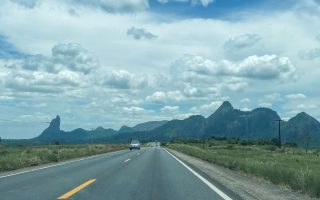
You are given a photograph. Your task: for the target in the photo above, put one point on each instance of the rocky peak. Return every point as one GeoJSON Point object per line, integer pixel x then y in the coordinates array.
{"type": "Point", "coordinates": [55, 124]}
{"type": "Point", "coordinates": [304, 117]}
{"type": "Point", "coordinates": [225, 106]}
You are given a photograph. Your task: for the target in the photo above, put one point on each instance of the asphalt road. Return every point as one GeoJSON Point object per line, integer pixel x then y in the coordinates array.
{"type": "Point", "coordinates": [148, 174]}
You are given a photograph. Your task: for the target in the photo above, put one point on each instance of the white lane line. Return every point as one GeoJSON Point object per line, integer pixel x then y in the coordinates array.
{"type": "Point", "coordinates": [63, 163]}
{"type": "Point", "coordinates": [210, 185]}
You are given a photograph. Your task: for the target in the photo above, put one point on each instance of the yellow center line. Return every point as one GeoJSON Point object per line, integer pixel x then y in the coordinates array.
{"type": "Point", "coordinates": [127, 160]}
{"type": "Point", "coordinates": [77, 189]}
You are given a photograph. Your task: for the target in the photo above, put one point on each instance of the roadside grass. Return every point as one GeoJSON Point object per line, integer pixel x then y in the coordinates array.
{"type": "Point", "coordinates": [290, 167]}
{"type": "Point", "coordinates": [15, 157]}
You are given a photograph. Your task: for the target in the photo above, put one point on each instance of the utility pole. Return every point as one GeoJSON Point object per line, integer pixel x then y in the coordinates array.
{"type": "Point", "coordinates": [279, 136]}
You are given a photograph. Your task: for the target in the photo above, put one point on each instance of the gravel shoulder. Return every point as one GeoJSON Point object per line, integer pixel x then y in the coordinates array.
{"type": "Point", "coordinates": [248, 188]}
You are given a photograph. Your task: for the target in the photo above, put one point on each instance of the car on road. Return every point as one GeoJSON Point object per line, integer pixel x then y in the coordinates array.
{"type": "Point", "coordinates": [135, 144]}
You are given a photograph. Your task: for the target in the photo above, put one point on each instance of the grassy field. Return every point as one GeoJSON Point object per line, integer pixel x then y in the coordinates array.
{"type": "Point", "coordinates": [290, 167]}
{"type": "Point", "coordinates": [25, 156]}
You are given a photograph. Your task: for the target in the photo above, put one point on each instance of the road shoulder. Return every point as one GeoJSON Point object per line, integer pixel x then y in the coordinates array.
{"type": "Point", "coordinates": [246, 187]}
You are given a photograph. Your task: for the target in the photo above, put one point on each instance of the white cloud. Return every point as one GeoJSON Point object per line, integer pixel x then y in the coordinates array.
{"type": "Point", "coordinates": [296, 96]}
{"type": "Point", "coordinates": [204, 3]}
{"type": "Point", "coordinates": [265, 104]}
{"type": "Point", "coordinates": [235, 84]}
{"type": "Point", "coordinates": [70, 70]}
{"type": "Point", "coordinates": [134, 110]}
{"type": "Point", "coordinates": [125, 100]}
{"type": "Point", "coordinates": [5, 97]}
{"type": "Point", "coordinates": [191, 91]}
{"type": "Point", "coordinates": [33, 117]}
{"type": "Point", "coordinates": [306, 107]}
{"type": "Point", "coordinates": [212, 106]}
{"type": "Point", "coordinates": [157, 97]}
{"type": "Point", "coordinates": [162, 97]}
{"type": "Point", "coordinates": [245, 100]}
{"type": "Point", "coordinates": [170, 109]}
{"type": "Point", "coordinates": [245, 109]}
{"type": "Point", "coordinates": [242, 41]}
{"type": "Point", "coordinates": [206, 108]}
{"type": "Point", "coordinates": [74, 57]}
{"type": "Point", "coordinates": [115, 6]}
{"type": "Point", "coordinates": [122, 79]}
{"type": "Point", "coordinates": [273, 97]}
{"type": "Point", "coordinates": [28, 105]}
{"type": "Point", "coordinates": [140, 33]}
{"type": "Point", "coordinates": [163, 1]}
{"type": "Point", "coordinates": [43, 82]}
{"type": "Point", "coordinates": [68, 56]}
{"type": "Point", "coordinates": [175, 95]}
{"type": "Point", "coordinates": [256, 67]}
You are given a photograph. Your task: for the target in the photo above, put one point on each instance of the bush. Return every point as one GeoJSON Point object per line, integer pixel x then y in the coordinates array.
{"type": "Point", "coordinates": [4, 153]}
{"type": "Point", "coordinates": [292, 145]}
{"type": "Point", "coordinates": [229, 146]}
{"type": "Point", "coordinates": [275, 141]}
{"type": "Point", "coordinates": [270, 148]}
{"type": "Point", "coordinates": [233, 140]}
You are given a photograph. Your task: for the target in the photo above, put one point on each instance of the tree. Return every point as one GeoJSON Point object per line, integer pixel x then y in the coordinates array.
{"type": "Point", "coordinates": [0, 140]}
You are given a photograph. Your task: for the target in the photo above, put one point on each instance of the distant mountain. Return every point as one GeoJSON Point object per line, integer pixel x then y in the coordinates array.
{"type": "Point", "coordinates": [226, 121]}
{"type": "Point", "coordinates": [192, 127]}
{"type": "Point", "coordinates": [187, 128]}
{"type": "Point", "coordinates": [298, 128]}
{"type": "Point", "coordinates": [54, 134]}
{"type": "Point", "coordinates": [146, 126]}
{"type": "Point", "coordinates": [229, 122]}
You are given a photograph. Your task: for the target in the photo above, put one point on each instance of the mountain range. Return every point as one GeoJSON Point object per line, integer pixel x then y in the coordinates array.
{"type": "Point", "coordinates": [226, 121]}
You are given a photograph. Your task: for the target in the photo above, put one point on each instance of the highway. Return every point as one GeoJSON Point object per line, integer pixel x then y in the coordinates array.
{"type": "Point", "coordinates": [148, 174]}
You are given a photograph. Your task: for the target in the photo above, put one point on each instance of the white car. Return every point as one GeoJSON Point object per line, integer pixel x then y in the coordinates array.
{"type": "Point", "coordinates": [135, 144]}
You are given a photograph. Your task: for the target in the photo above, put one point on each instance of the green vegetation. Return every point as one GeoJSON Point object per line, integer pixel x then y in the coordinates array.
{"type": "Point", "coordinates": [15, 157]}
{"type": "Point", "coordinates": [289, 166]}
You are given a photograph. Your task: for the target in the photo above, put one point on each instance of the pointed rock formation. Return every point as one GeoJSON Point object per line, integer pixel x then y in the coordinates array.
{"type": "Point", "coordinates": [52, 131]}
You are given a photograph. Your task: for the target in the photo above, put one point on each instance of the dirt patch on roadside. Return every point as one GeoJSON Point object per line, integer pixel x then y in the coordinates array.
{"type": "Point", "coordinates": [248, 188]}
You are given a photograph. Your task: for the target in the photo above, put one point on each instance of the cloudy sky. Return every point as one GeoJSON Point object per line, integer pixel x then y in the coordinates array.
{"type": "Point", "coordinates": [109, 63]}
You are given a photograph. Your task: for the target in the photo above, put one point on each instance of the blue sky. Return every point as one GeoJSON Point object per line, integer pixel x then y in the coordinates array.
{"type": "Point", "coordinates": [8, 50]}
{"type": "Point", "coordinates": [219, 9]}
{"type": "Point", "coordinates": [113, 63]}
